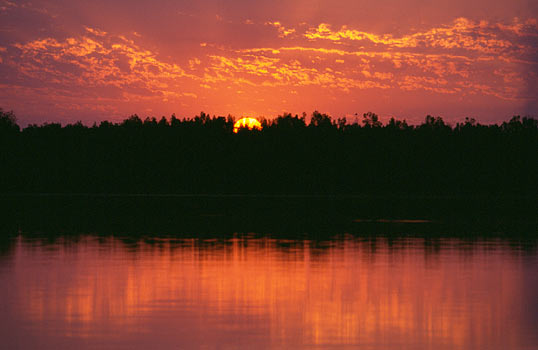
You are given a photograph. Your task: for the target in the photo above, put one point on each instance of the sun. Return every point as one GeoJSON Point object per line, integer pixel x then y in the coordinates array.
{"type": "Point", "coordinates": [247, 122]}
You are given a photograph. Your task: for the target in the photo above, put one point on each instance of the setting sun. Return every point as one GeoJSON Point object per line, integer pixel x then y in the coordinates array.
{"type": "Point", "coordinates": [249, 123]}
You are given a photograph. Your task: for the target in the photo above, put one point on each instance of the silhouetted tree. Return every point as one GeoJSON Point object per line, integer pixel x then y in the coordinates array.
{"type": "Point", "coordinates": [203, 155]}
{"type": "Point", "coordinates": [397, 124]}
{"type": "Point", "coordinates": [133, 121]}
{"type": "Point", "coordinates": [321, 120]}
{"type": "Point", "coordinates": [341, 123]}
{"type": "Point", "coordinates": [287, 121]}
{"type": "Point", "coordinates": [105, 124]}
{"type": "Point", "coordinates": [163, 122]}
{"type": "Point", "coordinates": [174, 122]}
{"type": "Point", "coordinates": [371, 120]}
{"type": "Point", "coordinates": [8, 122]}
{"type": "Point", "coordinates": [432, 123]}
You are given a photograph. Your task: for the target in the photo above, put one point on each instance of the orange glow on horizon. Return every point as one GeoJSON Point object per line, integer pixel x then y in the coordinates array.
{"type": "Point", "coordinates": [247, 122]}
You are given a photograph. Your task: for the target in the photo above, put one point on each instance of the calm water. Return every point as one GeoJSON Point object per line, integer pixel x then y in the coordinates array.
{"type": "Point", "coordinates": [259, 292]}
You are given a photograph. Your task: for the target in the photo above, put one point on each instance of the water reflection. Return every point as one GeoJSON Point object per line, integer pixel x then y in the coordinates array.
{"type": "Point", "coordinates": [268, 293]}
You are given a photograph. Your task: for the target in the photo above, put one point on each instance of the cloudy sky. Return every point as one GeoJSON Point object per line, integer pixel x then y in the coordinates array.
{"type": "Point", "coordinates": [66, 60]}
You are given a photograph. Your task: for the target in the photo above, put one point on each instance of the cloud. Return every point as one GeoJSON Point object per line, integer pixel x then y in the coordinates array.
{"type": "Point", "coordinates": [461, 57]}
{"type": "Point", "coordinates": [282, 31]}
{"type": "Point", "coordinates": [462, 34]}
{"type": "Point", "coordinates": [98, 32]}
{"type": "Point", "coordinates": [95, 72]}
{"type": "Point", "coordinates": [468, 59]}
{"type": "Point", "coordinates": [97, 60]}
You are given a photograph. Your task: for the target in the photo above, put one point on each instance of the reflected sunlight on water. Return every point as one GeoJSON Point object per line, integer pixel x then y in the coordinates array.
{"type": "Point", "coordinates": [95, 292]}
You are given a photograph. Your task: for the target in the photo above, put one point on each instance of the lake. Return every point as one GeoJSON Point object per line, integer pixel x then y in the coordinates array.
{"type": "Point", "coordinates": [373, 283]}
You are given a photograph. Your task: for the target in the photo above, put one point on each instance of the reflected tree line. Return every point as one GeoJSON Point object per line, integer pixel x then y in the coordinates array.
{"type": "Point", "coordinates": [288, 156]}
{"type": "Point", "coordinates": [318, 246]}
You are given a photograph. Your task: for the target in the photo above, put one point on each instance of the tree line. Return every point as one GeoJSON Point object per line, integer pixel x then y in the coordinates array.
{"type": "Point", "coordinates": [202, 155]}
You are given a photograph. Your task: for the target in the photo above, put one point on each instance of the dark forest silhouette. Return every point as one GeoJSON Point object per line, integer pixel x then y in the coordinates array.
{"type": "Point", "coordinates": [288, 156]}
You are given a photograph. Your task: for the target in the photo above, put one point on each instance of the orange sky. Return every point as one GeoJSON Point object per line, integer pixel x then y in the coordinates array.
{"type": "Point", "coordinates": [66, 61]}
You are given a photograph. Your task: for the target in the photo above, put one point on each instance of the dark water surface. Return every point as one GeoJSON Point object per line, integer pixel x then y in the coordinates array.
{"type": "Point", "coordinates": [371, 283]}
